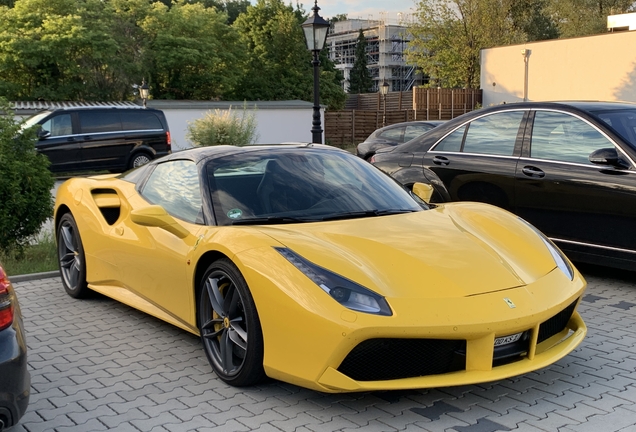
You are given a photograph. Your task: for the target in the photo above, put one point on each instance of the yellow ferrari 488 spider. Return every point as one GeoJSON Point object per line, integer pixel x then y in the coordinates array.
{"type": "Point", "coordinates": [306, 264]}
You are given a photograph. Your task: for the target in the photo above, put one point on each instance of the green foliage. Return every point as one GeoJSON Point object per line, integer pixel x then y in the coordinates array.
{"type": "Point", "coordinates": [359, 78]}
{"type": "Point", "coordinates": [278, 66]}
{"type": "Point", "coordinates": [25, 184]}
{"type": "Point", "coordinates": [223, 127]}
{"type": "Point", "coordinates": [448, 35]}
{"type": "Point", "coordinates": [532, 18]}
{"type": "Point", "coordinates": [585, 17]}
{"type": "Point", "coordinates": [37, 257]}
{"type": "Point", "coordinates": [191, 52]}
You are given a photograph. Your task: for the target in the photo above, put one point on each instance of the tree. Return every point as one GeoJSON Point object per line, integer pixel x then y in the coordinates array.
{"type": "Point", "coordinates": [449, 34]}
{"type": "Point", "coordinates": [192, 53]}
{"type": "Point", "coordinates": [532, 18]}
{"type": "Point", "coordinates": [585, 17]}
{"type": "Point", "coordinates": [359, 78]}
{"type": "Point", "coordinates": [279, 65]}
{"type": "Point", "coordinates": [25, 184]}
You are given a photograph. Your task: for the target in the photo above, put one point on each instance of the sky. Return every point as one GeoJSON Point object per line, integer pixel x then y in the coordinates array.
{"type": "Point", "coordinates": [364, 9]}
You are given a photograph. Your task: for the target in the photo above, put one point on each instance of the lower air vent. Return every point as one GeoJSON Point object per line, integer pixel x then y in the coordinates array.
{"type": "Point", "coordinates": [108, 203]}
{"type": "Point", "coordinates": [388, 359]}
{"type": "Point", "coordinates": [556, 324]}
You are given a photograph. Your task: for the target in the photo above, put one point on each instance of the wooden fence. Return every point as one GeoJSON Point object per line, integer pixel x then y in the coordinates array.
{"type": "Point", "coordinates": [363, 113]}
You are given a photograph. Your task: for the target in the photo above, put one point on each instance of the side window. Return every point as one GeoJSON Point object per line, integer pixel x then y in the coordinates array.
{"type": "Point", "coordinates": [563, 137]}
{"type": "Point", "coordinates": [393, 134]}
{"type": "Point", "coordinates": [452, 142]}
{"type": "Point", "coordinates": [139, 120]}
{"type": "Point", "coordinates": [95, 121]}
{"type": "Point", "coordinates": [494, 134]}
{"type": "Point", "coordinates": [413, 131]}
{"type": "Point", "coordinates": [59, 125]}
{"type": "Point", "coordinates": [175, 186]}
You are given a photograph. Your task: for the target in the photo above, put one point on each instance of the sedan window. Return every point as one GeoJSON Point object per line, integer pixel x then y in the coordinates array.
{"type": "Point", "coordinates": [562, 137]}
{"type": "Point", "coordinates": [493, 134]}
{"type": "Point", "coordinates": [393, 134]}
{"type": "Point", "coordinates": [413, 131]}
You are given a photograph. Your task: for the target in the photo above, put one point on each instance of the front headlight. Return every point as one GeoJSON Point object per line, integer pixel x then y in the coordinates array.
{"type": "Point", "coordinates": [559, 258]}
{"type": "Point", "coordinates": [344, 291]}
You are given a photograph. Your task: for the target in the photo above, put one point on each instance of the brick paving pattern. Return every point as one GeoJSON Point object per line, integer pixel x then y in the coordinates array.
{"type": "Point", "coordinates": [99, 365]}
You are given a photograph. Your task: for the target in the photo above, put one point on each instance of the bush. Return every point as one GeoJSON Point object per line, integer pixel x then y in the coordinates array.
{"type": "Point", "coordinates": [25, 183]}
{"type": "Point", "coordinates": [223, 127]}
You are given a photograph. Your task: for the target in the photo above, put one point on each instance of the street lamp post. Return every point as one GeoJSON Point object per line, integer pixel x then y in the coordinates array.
{"type": "Point", "coordinates": [384, 89]}
{"type": "Point", "coordinates": [144, 91]}
{"type": "Point", "coordinates": [316, 28]}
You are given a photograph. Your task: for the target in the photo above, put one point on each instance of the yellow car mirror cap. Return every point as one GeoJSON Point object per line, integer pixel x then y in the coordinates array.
{"type": "Point", "coordinates": [423, 191]}
{"type": "Point", "coordinates": [157, 216]}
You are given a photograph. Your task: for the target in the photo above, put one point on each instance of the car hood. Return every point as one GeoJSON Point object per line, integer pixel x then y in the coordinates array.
{"type": "Point", "coordinates": [456, 250]}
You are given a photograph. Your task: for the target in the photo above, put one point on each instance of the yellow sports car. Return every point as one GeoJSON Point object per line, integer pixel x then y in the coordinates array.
{"type": "Point", "coordinates": [306, 264]}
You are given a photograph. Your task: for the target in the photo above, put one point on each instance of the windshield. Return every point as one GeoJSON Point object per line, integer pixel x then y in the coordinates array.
{"type": "Point", "coordinates": [622, 121]}
{"type": "Point", "coordinates": [34, 119]}
{"type": "Point", "coordinates": [302, 185]}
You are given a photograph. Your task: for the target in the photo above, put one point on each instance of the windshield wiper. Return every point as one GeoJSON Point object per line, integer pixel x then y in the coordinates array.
{"type": "Point", "coordinates": [270, 220]}
{"type": "Point", "coordinates": [365, 213]}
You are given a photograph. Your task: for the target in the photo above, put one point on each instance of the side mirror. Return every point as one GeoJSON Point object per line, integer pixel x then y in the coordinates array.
{"type": "Point", "coordinates": [423, 191]}
{"type": "Point", "coordinates": [156, 216]}
{"type": "Point", "coordinates": [607, 156]}
{"type": "Point", "coordinates": [43, 133]}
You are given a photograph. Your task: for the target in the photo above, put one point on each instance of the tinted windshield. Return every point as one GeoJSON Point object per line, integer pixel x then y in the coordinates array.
{"type": "Point", "coordinates": [622, 121]}
{"type": "Point", "coordinates": [34, 119]}
{"type": "Point", "coordinates": [301, 185]}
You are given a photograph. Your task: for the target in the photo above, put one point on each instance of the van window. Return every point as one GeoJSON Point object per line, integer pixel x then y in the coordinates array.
{"type": "Point", "coordinates": [140, 120]}
{"type": "Point", "coordinates": [60, 125]}
{"type": "Point", "coordinates": [94, 121]}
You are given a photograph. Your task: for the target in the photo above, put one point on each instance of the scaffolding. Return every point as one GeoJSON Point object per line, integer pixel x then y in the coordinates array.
{"type": "Point", "coordinates": [386, 44]}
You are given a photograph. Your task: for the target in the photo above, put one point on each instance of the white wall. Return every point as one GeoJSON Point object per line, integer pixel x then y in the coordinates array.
{"type": "Point", "coordinates": [601, 67]}
{"type": "Point", "coordinates": [275, 124]}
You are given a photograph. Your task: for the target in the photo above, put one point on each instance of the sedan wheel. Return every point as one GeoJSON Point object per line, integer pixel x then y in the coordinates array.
{"type": "Point", "coordinates": [71, 258]}
{"type": "Point", "coordinates": [230, 328]}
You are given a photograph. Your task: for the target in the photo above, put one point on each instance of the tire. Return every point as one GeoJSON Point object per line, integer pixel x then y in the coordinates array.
{"type": "Point", "coordinates": [139, 159]}
{"type": "Point", "coordinates": [71, 258]}
{"type": "Point", "coordinates": [230, 328]}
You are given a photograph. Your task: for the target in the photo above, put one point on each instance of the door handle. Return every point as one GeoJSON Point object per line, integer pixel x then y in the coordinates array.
{"type": "Point", "coordinates": [533, 171]}
{"type": "Point", "coordinates": [440, 160]}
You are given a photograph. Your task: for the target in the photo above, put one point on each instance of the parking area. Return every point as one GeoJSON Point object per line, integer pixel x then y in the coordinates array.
{"type": "Point", "coordinates": [99, 365]}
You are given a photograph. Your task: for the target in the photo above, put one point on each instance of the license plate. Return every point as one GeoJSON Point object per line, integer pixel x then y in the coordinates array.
{"type": "Point", "coordinates": [505, 340]}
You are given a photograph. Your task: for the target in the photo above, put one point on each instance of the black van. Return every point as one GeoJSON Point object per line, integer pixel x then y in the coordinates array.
{"type": "Point", "coordinates": [104, 138]}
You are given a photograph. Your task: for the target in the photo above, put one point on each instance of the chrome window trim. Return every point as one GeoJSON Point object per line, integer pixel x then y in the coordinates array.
{"type": "Point", "coordinates": [594, 245]}
{"type": "Point", "coordinates": [594, 166]}
{"type": "Point", "coordinates": [475, 154]}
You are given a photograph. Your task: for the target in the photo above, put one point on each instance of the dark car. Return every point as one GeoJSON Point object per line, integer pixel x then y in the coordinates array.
{"type": "Point", "coordinates": [15, 381]}
{"type": "Point", "coordinates": [566, 167]}
{"type": "Point", "coordinates": [110, 138]}
{"type": "Point", "coordinates": [392, 135]}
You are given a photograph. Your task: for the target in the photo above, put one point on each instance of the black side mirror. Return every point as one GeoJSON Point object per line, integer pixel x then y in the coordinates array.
{"type": "Point", "coordinates": [607, 156]}
{"type": "Point", "coordinates": [43, 133]}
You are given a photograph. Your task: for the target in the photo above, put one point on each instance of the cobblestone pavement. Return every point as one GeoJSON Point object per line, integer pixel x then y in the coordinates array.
{"type": "Point", "coordinates": [99, 365]}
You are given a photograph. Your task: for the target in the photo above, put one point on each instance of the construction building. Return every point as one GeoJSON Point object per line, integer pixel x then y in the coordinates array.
{"type": "Point", "coordinates": [386, 45]}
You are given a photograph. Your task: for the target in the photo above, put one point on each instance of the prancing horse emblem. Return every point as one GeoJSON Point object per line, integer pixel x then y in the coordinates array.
{"type": "Point", "coordinates": [509, 302]}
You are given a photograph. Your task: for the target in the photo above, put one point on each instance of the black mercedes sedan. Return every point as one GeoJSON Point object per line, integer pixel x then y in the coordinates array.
{"type": "Point", "coordinates": [15, 381]}
{"type": "Point", "coordinates": [568, 168]}
{"type": "Point", "coordinates": [392, 135]}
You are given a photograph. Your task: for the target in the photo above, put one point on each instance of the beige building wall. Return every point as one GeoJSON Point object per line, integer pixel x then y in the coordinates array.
{"type": "Point", "coordinates": [601, 67]}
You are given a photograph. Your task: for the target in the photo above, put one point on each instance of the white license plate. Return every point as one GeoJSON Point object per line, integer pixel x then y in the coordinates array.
{"type": "Point", "coordinates": [505, 340]}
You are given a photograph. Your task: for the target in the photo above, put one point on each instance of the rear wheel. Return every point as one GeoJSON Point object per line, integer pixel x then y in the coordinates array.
{"type": "Point", "coordinates": [139, 159]}
{"type": "Point", "coordinates": [230, 328]}
{"type": "Point", "coordinates": [71, 257]}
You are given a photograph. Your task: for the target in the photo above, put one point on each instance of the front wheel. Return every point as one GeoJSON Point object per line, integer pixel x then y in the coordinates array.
{"type": "Point", "coordinates": [71, 257]}
{"type": "Point", "coordinates": [230, 329]}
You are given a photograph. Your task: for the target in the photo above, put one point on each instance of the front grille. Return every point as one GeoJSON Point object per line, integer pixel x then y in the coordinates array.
{"type": "Point", "coordinates": [388, 359]}
{"type": "Point", "coordinates": [556, 324]}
